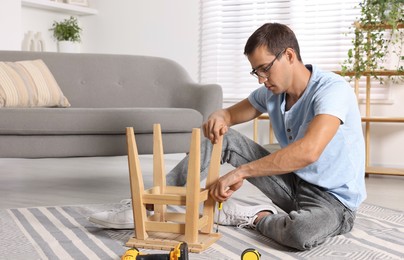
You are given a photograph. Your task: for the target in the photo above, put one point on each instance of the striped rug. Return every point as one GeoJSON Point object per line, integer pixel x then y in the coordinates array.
{"type": "Point", "coordinates": [65, 233]}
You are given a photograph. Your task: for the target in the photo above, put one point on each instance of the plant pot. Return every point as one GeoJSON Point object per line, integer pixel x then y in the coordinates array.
{"type": "Point", "coordinates": [67, 46]}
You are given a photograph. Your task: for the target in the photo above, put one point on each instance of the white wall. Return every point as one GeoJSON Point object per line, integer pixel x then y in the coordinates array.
{"type": "Point", "coordinates": [162, 28]}
{"type": "Point", "coordinates": [157, 28]}
{"type": "Point", "coordinates": [10, 25]}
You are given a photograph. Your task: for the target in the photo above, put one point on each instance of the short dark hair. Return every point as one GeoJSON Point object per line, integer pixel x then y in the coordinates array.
{"type": "Point", "coordinates": [275, 36]}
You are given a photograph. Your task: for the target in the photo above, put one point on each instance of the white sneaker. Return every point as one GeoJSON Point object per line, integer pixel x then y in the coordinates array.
{"type": "Point", "coordinates": [117, 218]}
{"type": "Point", "coordinates": [241, 216]}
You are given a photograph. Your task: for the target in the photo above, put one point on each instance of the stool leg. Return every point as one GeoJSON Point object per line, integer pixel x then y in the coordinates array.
{"type": "Point", "coordinates": [136, 186]}
{"type": "Point", "coordinates": [159, 176]}
{"type": "Point", "coordinates": [193, 188]}
{"type": "Point", "coordinates": [213, 176]}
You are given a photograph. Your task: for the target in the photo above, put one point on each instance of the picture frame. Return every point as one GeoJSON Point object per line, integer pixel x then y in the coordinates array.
{"type": "Point", "coordinates": [77, 2]}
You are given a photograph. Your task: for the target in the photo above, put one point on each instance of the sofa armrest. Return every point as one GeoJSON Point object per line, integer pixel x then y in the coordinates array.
{"type": "Point", "coordinates": [205, 98]}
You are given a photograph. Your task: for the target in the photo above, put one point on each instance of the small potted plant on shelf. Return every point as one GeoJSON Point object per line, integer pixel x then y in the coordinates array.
{"type": "Point", "coordinates": [378, 37]}
{"type": "Point", "coordinates": [67, 34]}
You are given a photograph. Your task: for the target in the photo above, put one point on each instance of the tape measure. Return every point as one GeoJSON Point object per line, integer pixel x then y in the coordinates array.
{"type": "Point", "coordinates": [250, 254]}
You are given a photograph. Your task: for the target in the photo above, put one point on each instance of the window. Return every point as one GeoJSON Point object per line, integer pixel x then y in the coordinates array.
{"type": "Point", "coordinates": [321, 27]}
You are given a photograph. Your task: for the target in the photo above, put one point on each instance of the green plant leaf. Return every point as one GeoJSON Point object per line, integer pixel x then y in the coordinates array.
{"type": "Point", "coordinates": [371, 44]}
{"type": "Point", "coordinates": [67, 30]}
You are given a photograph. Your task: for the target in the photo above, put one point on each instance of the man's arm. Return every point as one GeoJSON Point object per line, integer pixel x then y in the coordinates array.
{"type": "Point", "coordinates": [219, 121]}
{"type": "Point", "coordinates": [299, 154]}
{"type": "Point", "coordinates": [295, 156]}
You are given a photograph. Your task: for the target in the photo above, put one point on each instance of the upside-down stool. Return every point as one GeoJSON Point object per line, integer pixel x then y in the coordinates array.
{"type": "Point", "coordinates": [164, 230]}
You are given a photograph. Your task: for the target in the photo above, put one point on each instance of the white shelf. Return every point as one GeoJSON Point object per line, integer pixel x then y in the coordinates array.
{"type": "Point", "coordinates": [59, 7]}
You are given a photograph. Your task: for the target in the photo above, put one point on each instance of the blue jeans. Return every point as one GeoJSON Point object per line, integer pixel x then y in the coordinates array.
{"type": "Point", "coordinates": [311, 214]}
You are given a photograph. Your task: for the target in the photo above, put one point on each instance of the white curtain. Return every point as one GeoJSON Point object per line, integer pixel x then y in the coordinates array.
{"type": "Point", "coordinates": [321, 27]}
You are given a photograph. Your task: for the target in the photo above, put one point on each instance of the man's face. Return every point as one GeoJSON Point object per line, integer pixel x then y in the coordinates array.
{"type": "Point", "coordinates": [267, 67]}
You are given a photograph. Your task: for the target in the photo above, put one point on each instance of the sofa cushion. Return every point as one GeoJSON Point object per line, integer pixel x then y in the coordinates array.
{"type": "Point", "coordinates": [29, 84]}
{"type": "Point", "coordinates": [96, 121]}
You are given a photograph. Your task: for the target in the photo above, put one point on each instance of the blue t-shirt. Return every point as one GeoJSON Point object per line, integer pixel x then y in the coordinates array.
{"type": "Point", "coordinates": [340, 169]}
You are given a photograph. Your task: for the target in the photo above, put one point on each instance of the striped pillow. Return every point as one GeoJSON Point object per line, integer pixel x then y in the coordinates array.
{"type": "Point", "coordinates": [29, 84]}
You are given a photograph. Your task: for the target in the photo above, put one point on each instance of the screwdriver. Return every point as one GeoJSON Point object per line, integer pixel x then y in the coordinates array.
{"type": "Point", "coordinates": [219, 207]}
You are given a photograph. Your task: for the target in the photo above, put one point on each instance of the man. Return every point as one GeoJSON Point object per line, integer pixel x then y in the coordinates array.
{"type": "Point", "coordinates": [316, 178]}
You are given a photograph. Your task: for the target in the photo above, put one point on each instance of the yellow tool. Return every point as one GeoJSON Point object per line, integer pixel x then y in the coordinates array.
{"type": "Point", "coordinates": [219, 207]}
{"type": "Point", "coordinates": [180, 252]}
{"type": "Point", "coordinates": [250, 254]}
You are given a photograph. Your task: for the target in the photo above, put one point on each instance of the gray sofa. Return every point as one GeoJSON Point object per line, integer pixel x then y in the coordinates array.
{"type": "Point", "coordinates": [107, 93]}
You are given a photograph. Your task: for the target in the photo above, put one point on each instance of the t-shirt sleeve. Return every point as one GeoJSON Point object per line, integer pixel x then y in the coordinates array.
{"type": "Point", "coordinates": [335, 100]}
{"type": "Point", "coordinates": [258, 99]}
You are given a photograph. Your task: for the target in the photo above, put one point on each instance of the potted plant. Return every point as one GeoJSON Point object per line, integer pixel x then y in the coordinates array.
{"type": "Point", "coordinates": [67, 33]}
{"type": "Point", "coordinates": [378, 37]}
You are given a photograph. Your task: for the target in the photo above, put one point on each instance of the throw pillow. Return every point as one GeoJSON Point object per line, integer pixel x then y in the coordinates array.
{"type": "Point", "coordinates": [29, 84]}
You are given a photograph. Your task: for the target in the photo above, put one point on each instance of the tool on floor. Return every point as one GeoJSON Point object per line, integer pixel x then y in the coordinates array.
{"type": "Point", "coordinates": [180, 252]}
{"type": "Point", "coordinates": [250, 254]}
{"type": "Point", "coordinates": [219, 207]}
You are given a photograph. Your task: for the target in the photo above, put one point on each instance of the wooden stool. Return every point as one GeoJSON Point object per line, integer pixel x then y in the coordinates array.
{"type": "Point", "coordinates": [164, 230]}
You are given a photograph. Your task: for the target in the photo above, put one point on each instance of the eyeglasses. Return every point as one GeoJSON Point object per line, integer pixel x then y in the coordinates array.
{"type": "Point", "coordinates": [263, 72]}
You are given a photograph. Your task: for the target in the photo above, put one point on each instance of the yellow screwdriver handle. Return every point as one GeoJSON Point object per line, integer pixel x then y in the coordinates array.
{"type": "Point", "coordinates": [219, 207]}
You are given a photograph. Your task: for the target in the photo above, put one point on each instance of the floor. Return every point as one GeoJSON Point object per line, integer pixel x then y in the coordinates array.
{"type": "Point", "coordinates": [93, 180]}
